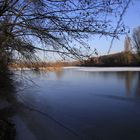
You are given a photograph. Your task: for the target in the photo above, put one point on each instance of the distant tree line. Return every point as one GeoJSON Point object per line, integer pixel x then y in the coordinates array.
{"type": "Point", "coordinates": [118, 59]}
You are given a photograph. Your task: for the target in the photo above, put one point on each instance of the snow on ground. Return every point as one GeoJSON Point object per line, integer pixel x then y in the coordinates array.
{"type": "Point", "coordinates": [98, 69]}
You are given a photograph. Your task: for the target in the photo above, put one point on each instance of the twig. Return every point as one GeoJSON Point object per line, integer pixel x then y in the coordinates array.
{"type": "Point", "coordinates": [118, 23]}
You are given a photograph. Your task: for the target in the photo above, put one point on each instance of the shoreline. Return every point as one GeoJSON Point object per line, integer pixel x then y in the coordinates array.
{"type": "Point", "coordinates": [7, 126]}
{"type": "Point", "coordinates": [109, 69]}
{"type": "Point", "coordinates": [81, 68]}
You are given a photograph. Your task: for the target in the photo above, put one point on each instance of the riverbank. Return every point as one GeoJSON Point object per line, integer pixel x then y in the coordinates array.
{"type": "Point", "coordinates": [7, 128]}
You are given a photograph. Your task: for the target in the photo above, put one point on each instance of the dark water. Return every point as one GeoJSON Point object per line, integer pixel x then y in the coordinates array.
{"type": "Point", "coordinates": [80, 105]}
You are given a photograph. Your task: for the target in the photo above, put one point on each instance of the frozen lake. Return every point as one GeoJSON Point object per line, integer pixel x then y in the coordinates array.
{"type": "Point", "coordinates": [80, 104]}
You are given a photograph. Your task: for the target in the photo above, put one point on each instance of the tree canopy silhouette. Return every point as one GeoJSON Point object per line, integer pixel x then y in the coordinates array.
{"type": "Point", "coordinates": [57, 25]}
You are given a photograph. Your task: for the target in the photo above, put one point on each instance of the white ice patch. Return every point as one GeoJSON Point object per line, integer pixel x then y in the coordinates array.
{"type": "Point", "coordinates": [98, 69]}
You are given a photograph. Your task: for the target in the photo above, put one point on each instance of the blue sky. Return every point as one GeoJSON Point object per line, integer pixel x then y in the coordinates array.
{"type": "Point", "coordinates": [131, 19]}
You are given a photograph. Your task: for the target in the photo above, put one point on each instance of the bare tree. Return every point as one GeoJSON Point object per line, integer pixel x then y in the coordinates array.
{"type": "Point", "coordinates": [136, 39]}
{"type": "Point", "coordinates": [127, 44]}
{"type": "Point", "coordinates": [127, 50]}
{"type": "Point", "coordinates": [57, 25]}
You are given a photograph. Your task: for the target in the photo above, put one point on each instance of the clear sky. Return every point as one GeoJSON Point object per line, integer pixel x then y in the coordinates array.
{"type": "Point", "coordinates": [131, 19]}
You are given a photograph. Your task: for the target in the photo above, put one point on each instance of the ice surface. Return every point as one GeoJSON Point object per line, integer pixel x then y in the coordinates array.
{"type": "Point", "coordinates": [92, 69]}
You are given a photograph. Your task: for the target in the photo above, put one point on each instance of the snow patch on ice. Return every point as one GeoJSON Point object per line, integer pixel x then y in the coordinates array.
{"type": "Point", "coordinates": [104, 69]}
